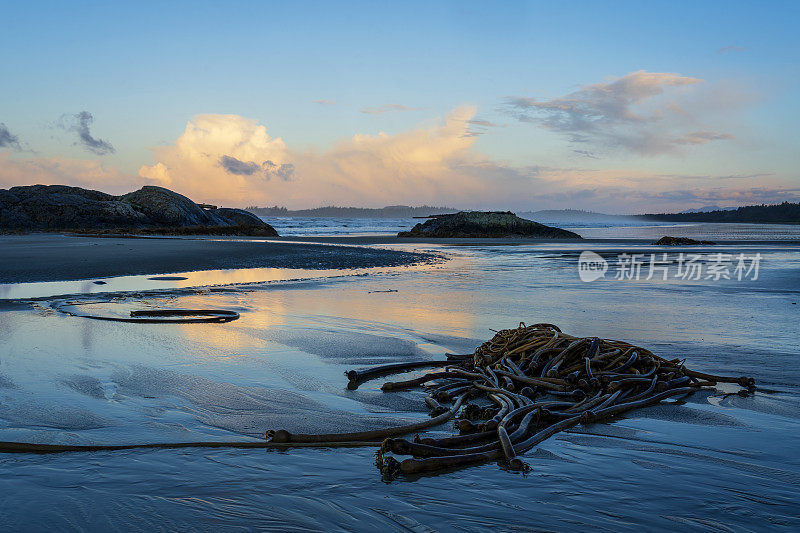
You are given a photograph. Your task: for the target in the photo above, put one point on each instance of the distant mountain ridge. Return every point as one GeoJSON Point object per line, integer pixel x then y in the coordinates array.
{"type": "Point", "coordinates": [390, 211]}
{"type": "Point", "coordinates": [707, 208]}
{"type": "Point", "coordinates": [405, 211]}
{"type": "Point", "coordinates": [785, 213]}
{"type": "Point", "coordinates": [572, 215]}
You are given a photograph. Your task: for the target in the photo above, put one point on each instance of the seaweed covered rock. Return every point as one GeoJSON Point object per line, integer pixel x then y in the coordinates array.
{"type": "Point", "coordinates": [676, 241]}
{"type": "Point", "coordinates": [485, 224]}
{"type": "Point", "coordinates": [148, 210]}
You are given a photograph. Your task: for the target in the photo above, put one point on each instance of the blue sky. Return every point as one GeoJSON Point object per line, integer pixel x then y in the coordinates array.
{"type": "Point", "coordinates": [317, 74]}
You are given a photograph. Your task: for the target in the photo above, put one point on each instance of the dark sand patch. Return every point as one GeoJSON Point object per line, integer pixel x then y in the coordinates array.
{"type": "Point", "coordinates": [55, 257]}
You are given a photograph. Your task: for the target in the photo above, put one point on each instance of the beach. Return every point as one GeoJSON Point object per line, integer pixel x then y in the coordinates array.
{"type": "Point", "coordinates": [361, 244]}
{"type": "Point", "coordinates": [714, 460]}
{"type": "Point", "coordinates": [397, 266]}
{"type": "Point", "coordinates": [55, 257]}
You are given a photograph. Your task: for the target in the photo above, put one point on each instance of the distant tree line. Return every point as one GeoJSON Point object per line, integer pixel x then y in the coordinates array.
{"type": "Point", "coordinates": [785, 213]}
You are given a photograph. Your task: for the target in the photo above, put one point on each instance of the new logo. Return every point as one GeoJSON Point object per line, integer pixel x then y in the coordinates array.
{"type": "Point", "coordinates": [591, 266]}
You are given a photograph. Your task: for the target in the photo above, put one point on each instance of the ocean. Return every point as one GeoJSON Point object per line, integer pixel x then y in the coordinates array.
{"type": "Point", "coordinates": [622, 229]}
{"type": "Point", "coordinates": [716, 460]}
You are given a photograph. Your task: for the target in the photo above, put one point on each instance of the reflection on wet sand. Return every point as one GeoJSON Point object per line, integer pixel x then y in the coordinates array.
{"type": "Point", "coordinates": [184, 280]}
{"type": "Point", "coordinates": [65, 379]}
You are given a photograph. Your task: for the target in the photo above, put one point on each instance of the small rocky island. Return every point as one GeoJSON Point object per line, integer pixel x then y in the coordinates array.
{"type": "Point", "coordinates": [151, 209]}
{"type": "Point", "coordinates": [485, 224]}
{"type": "Point", "coordinates": [666, 240]}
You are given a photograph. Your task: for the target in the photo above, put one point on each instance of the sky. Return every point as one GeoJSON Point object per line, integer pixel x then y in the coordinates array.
{"type": "Point", "coordinates": [616, 107]}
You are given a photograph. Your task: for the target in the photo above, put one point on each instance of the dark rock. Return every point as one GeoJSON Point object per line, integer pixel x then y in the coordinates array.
{"type": "Point", "coordinates": [62, 207]}
{"type": "Point", "coordinates": [32, 190]}
{"type": "Point", "coordinates": [485, 224]}
{"type": "Point", "coordinates": [676, 241]}
{"type": "Point", "coordinates": [238, 217]}
{"type": "Point", "coordinates": [166, 208]}
{"type": "Point", "coordinates": [148, 210]}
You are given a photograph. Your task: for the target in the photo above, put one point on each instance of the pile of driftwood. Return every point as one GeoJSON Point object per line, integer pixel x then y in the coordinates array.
{"type": "Point", "coordinates": [518, 389]}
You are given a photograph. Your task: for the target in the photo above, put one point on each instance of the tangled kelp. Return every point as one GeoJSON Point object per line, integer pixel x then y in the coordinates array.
{"type": "Point", "coordinates": [518, 389]}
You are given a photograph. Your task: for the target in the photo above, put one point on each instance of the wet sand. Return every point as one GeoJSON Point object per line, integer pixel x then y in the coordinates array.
{"type": "Point", "coordinates": [715, 460]}
{"type": "Point", "coordinates": [57, 257]}
{"type": "Point", "coordinates": [60, 257]}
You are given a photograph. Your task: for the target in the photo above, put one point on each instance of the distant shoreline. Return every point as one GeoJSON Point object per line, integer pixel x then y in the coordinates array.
{"type": "Point", "coordinates": [785, 213]}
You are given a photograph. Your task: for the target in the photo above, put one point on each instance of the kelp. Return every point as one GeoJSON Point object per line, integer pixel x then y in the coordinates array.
{"type": "Point", "coordinates": [516, 390]}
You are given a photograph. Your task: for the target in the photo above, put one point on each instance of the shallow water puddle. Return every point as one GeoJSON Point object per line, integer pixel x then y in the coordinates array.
{"type": "Point", "coordinates": [181, 280]}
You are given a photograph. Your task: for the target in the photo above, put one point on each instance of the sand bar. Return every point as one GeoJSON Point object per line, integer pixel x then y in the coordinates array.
{"type": "Point", "coordinates": [57, 257]}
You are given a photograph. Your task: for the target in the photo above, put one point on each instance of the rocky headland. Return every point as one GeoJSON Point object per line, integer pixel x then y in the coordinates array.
{"type": "Point", "coordinates": [151, 209]}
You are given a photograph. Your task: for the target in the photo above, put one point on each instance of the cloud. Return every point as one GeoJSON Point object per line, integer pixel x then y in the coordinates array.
{"type": "Point", "coordinates": [632, 201]}
{"type": "Point", "coordinates": [480, 127]}
{"type": "Point", "coordinates": [483, 123]}
{"type": "Point", "coordinates": [699, 177]}
{"type": "Point", "coordinates": [284, 171]}
{"type": "Point", "coordinates": [730, 48]}
{"type": "Point", "coordinates": [231, 160]}
{"type": "Point", "coordinates": [228, 159]}
{"type": "Point", "coordinates": [388, 108]}
{"type": "Point", "coordinates": [240, 168]}
{"type": "Point", "coordinates": [249, 168]}
{"type": "Point", "coordinates": [62, 171]}
{"type": "Point", "coordinates": [325, 102]}
{"type": "Point", "coordinates": [747, 196]}
{"type": "Point", "coordinates": [744, 176]}
{"type": "Point", "coordinates": [641, 112]}
{"type": "Point", "coordinates": [7, 139]}
{"type": "Point", "coordinates": [702, 137]}
{"type": "Point", "coordinates": [220, 158]}
{"type": "Point", "coordinates": [79, 123]}
{"type": "Point", "coordinates": [586, 153]}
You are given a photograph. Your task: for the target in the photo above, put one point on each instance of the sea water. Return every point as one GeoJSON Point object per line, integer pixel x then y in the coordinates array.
{"type": "Point", "coordinates": [716, 460]}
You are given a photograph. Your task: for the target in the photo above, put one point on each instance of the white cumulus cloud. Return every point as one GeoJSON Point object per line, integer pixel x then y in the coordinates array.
{"type": "Point", "coordinates": [230, 159]}
{"type": "Point", "coordinates": [217, 158]}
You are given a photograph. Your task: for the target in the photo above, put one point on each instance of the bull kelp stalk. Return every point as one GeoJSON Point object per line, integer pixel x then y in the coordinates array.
{"type": "Point", "coordinates": [518, 389]}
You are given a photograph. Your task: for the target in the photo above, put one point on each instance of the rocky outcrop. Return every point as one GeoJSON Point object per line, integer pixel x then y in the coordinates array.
{"type": "Point", "coordinates": [167, 208]}
{"type": "Point", "coordinates": [675, 241]}
{"type": "Point", "coordinates": [485, 224]}
{"type": "Point", "coordinates": [150, 209]}
{"type": "Point", "coordinates": [240, 217]}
